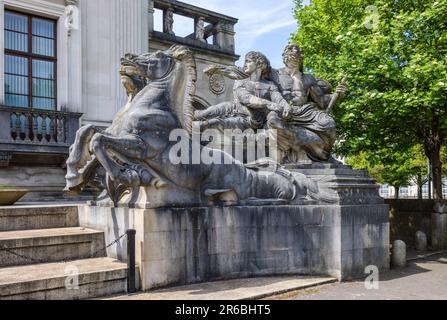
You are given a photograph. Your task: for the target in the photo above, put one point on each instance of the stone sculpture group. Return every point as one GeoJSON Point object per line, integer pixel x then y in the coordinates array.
{"type": "Point", "coordinates": [294, 210]}
{"type": "Point", "coordinates": [134, 152]}
{"type": "Point", "coordinates": [288, 101]}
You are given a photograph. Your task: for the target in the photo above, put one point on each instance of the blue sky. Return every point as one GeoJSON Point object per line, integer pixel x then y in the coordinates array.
{"type": "Point", "coordinates": [264, 25]}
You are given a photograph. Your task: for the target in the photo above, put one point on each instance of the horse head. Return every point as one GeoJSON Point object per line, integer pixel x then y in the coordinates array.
{"type": "Point", "coordinates": [173, 70]}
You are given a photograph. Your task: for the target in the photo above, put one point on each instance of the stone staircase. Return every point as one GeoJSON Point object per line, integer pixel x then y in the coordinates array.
{"type": "Point", "coordinates": [49, 256]}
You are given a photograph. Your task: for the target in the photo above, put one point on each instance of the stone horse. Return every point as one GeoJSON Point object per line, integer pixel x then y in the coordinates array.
{"type": "Point", "coordinates": [135, 150]}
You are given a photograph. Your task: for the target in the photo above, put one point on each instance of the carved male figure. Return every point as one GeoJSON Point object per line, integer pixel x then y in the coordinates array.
{"type": "Point", "coordinates": [168, 24]}
{"type": "Point", "coordinates": [310, 129]}
{"type": "Point", "coordinates": [200, 30]}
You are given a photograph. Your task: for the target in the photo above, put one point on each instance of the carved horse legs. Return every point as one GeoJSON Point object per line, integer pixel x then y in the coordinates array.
{"type": "Point", "coordinates": [122, 147]}
{"type": "Point", "coordinates": [80, 159]}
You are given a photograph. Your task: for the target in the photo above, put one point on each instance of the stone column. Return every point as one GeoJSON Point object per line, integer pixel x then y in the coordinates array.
{"type": "Point", "coordinates": [151, 12]}
{"type": "Point", "coordinates": [224, 36]}
{"type": "Point", "coordinates": [111, 28]}
{"type": "Point", "coordinates": [73, 63]}
{"type": "Point", "coordinates": [131, 35]}
{"type": "Point", "coordinates": [2, 56]}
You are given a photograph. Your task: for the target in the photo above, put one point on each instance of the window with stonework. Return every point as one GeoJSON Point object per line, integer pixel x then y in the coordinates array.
{"type": "Point", "coordinates": [384, 191]}
{"type": "Point", "coordinates": [30, 61]}
{"type": "Point", "coordinates": [444, 188]}
{"type": "Point", "coordinates": [425, 191]}
{"type": "Point", "coordinates": [404, 192]}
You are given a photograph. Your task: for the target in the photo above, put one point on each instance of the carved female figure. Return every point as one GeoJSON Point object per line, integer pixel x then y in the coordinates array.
{"type": "Point", "coordinates": [256, 99]}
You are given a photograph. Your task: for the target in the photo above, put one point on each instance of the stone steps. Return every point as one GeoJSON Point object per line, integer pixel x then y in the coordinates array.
{"type": "Point", "coordinates": [49, 245]}
{"type": "Point", "coordinates": [95, 278]}
{"type": "Point", "coordinates": [47, 249]}
{"type": "Point", "coordinates": [38, 217]}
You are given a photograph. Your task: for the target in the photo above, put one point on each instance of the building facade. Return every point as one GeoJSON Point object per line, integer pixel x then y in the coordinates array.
{"type": "Point", "coordinates": [59, 62]}
{"type": "Point", "coordinates": [411, 191]}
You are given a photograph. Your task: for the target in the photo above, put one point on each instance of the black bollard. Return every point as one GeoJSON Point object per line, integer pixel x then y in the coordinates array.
{"type": "Point", "coordinates": [131, 261]}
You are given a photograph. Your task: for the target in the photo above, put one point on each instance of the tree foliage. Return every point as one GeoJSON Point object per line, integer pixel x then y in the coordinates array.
{"type": "Point", "coordinates": [396, 169]}
{"type": "Point", "coordinates": [394, 53]}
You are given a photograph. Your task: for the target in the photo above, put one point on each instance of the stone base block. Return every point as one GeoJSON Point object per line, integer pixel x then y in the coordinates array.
{"type": "Point", "coordinates": [177, 246]}
{"type": "Point", "coordinates": [439, 230]}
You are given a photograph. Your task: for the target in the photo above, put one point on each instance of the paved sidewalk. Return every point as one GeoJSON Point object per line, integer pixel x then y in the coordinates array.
{"type": "Point", "coordinates": [424, 279]}
{"type": "Point", "coordinates": [239, 289]}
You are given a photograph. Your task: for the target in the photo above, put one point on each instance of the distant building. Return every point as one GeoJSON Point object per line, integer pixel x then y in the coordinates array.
{"type": "Point", "coordinates": [411, 191]}
{"type": "Point", "coordinates": [59, 63]}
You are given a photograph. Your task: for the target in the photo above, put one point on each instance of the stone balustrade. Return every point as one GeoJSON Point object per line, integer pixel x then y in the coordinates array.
{"type": "Point", "coordinates": [207, 24]}
{"type": "Point", "coordinates": [37, 126]}
{"type": "Point", "coordinates": [36, 133]}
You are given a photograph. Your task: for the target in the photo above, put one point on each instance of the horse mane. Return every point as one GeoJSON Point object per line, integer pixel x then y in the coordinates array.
{"type": "Point", "coordinates": [185, 55]}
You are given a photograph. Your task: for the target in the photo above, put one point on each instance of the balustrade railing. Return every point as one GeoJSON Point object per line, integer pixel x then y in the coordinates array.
{"type": "Point", "coordinates": [207, 24]}
{"type": "Point", "coordinates": [41, 127]}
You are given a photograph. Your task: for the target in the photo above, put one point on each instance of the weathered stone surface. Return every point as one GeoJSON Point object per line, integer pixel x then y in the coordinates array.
{"type": "Point", "coordinates": [38, 217]}
{"type": "Point", "coordinates": [421, 241]}
{"type": "Point", "coordinates": [347, 186]}
{"type": "Point", "coordinates": [33, 242]}
{"type": "Point", "coordinates": [439, 230]}
{"type": "Point", "coordinates": [408, 216]}
{"type": "Point", "coordinates": [96, 277]}
{"type": "Point", "coordinates": [399, 256]}
{"type": "Point", "coordinates": [37, 179]}
{"type": "Point", "coordinates": [237, 289]}
{"type": "Point", "coordinates": [188, 245]}
{"type": "Point", "coordinates": [49, 245]}
{"type": "Point", "coordinates": [440, 207]}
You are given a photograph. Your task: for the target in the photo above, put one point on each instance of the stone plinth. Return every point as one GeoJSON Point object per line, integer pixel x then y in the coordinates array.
{"type": "Point", "coordinates": [439, 226]}
{"type": "Point", "coordinates": [190, 245]}
{"type": "Point", "coordinates": [399, 254]}
{"type": "Point", "coordinates": [349, 187]}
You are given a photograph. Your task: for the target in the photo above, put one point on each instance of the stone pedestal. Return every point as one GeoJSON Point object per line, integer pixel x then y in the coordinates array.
{"type": "Point", "coordinates": [439, 226]}
{"type": "Point", "coordinates": [421, 241]}
{"type": "Point", "coordinates": [349, 187]}
{"type": "Point", "coordinates": [187, 245]}
{"type": "Point", "coordinates": [399, 254]}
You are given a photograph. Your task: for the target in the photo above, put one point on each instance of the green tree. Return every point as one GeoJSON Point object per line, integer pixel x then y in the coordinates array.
{"type": "Point", "coordinates": [395, 169]}
{"type": "Point", "coordinates": [418, 165]}
{"type": "Point", "coordinates": [394, 53]}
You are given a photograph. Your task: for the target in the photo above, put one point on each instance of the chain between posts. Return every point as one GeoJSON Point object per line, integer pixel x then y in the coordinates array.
{"type": "Point", "coordinates": [131, 287]}
{"type": "Point", "coordinates": [92, 255]}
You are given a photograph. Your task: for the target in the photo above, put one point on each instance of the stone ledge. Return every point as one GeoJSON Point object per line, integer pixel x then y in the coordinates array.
{"type": "Point", "coordinates": [238, 289]}
{"type": "Point", "coordinates": [98, 276]}
{"type": "Point", "coordinates": [16, 218]}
